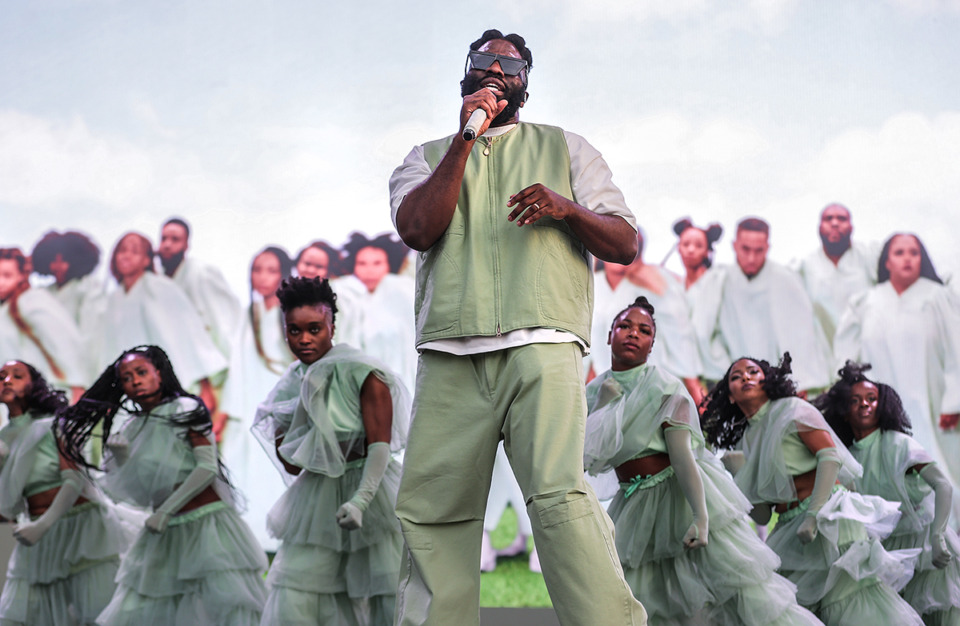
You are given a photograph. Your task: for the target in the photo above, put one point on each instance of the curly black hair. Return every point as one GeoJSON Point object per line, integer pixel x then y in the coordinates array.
{"type": "Point", "coordinates": [78, 250]}
{"type": "Point", "coordinates": [75, 425]}
{"type": "Point", "coordinates": [42, 399]}
{"type": "Point", "coordinates": [835, 403]}
{"type": "Point", "coordinates": [296, 292]}
{"type": "Point", "coordinates": [723, 422]}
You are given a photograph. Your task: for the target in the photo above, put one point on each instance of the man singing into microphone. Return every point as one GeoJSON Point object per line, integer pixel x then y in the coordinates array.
{"type": "Point", "coordinates": [506, 224]}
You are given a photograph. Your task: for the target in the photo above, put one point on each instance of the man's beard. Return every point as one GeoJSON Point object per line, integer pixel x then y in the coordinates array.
{"type": "Point", "coordinates": [170, 265]}
{"type": "Point", "coordinates": [835, 248]}
{"type": "Point", "coordinates": [514, 98]}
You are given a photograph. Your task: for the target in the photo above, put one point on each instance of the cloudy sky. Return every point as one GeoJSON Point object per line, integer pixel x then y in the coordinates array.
{"type": "Point", "coordinates": [278, 122]}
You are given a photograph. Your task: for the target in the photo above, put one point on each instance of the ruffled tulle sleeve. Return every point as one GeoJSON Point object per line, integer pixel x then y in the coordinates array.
{"type": "Point", "coordinates": [630, 407]}
{"type": "Point", "coordinates": [317, 411]}
{"type": "Point", "coordinates": [764, 476]}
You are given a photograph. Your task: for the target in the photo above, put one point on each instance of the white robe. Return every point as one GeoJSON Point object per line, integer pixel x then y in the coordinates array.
{"type": "Point", "coordinates": [762, 318]}
{"type": "Point", "coordinates": [913, 342]}
{"type": "Point", "coordinates": [675, 349]}
{"type": "Point", "coordinates": [156, 311]}
{"type": "Point", "coordinates": [249, 381]}
{"type": "Point", "coordinates": [831, 286]}
{"type": "Point", "coordinates": [215, 303]}
{"type": "Point", "coordinates": [54, 328]}
{"type": "Point", "coordinates": [379, 324]}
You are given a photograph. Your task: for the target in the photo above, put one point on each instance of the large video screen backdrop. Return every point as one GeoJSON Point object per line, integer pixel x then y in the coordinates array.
{"type": "Point", "coordinates": [279, 123]}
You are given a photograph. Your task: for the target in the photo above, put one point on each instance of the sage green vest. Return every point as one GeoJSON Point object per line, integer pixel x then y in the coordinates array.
{"type": "Point", "coordinates": [486, 276]}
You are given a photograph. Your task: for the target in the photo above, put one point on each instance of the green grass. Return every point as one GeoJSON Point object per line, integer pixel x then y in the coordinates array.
{"type": "Point", "coordinates": [512, 584]}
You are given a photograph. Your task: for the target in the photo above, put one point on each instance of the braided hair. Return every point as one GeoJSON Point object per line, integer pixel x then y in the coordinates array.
{"type": "Point", "coordinates": [75, 425]}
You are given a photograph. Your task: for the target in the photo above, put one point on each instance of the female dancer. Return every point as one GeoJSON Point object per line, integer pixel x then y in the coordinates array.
{"type": "Point", "coordinates": [62, 571]}
{"type": "Point", "coordinates": [908, 327]}
{"type": "Point", "coordinates": [194, 561]}
{"type": "Point", "coordinates": [258, 358]}
{"type": "Point", "coordinates": [332, 421]}
{"type": "Point", "coordinates": [36, 328]}
{"type": "Point", "coordinates": [869, 418]}
{"type": "Point", "coordinates": [826, 536]}
{"type": "Point", "coordinates": [682, 534]}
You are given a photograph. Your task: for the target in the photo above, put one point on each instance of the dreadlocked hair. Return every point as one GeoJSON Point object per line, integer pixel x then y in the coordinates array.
{"type": "Point", "coordinates": [640, 303]}
{"type": "Point", "coordinates": [297, 292]}
{"type": "Point", "coordinates": [42, 399]}
{"type": "Point", "coordinates": [723, 422]}
{"type": "Point", "coordinates": [835, 403]}
{"type": "Point", "coordinates": [75, 424]}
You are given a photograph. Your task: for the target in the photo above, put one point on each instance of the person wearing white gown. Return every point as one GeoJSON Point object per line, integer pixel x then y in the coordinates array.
{"type": "Point", "coordinates": [35, 328]}
{"type": "Point", "coordinates": [204, 284]}
{"type": "Point", "coordinates": [617, 286]}
{"type": "Point", "coordinates": [839, 269]}
{"type": "Point", "coordinates": [908, 327]}
{"type": "Point", "coordinates": [377, 304]}
{"type": "Point", "coordinates": [70, 258]}
{"type": "Point", "coordinates": [149, 309]}
{"type": "Point", "coordinates": [258, 358]}
{"type": "Point", "coordinates": [758, 307]}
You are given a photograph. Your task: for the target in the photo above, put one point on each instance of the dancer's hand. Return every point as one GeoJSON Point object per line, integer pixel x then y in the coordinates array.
{"type": "Point", "coordinates": [157, 523]}
{"type": "Point", "coordinates": [30, 533]}
{"type": "Point", "coordinates": [941, 556]}
{"type": "Point", "coordinates": [349, 516]}
{"type": "Point", "coordinates": [808, 529]}
{"type": "Point", "coordinates": [696, 536]}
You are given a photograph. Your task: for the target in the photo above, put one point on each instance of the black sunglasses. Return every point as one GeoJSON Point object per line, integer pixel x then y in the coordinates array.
{"type": "Point", "coordinates": [477, 60]}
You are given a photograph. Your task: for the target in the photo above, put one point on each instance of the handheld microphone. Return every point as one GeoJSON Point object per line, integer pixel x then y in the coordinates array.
{"type": "Point", "coordinates": [473, 124]}
{"type": "Point", "coordinates": [475, 121]}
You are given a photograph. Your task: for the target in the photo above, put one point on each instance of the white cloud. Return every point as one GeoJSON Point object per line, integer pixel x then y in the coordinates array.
{"type": "Point", "coordinates": [45, 161]}
{"type": "Point", "coordinates": [927, 7]}
{"type": "Point", "coordinates": [910, 160]}
{"type": "Point", "coordinates": [671, 139]}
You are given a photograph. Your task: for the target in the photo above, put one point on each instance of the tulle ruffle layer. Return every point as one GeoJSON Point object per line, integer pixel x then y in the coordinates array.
{"type": "Point", "coordinates": [204, 569]}
{"type": "Point", "coordinates": [69, 572]}
{"type": "Point", "coordinates": [932, 590]}
{"type": "Point", "coordinates": [845, 570]}
{"type": "Point", "coordinates": [306, 512]}
{"type": "Point", "coordinates": [732, 580]}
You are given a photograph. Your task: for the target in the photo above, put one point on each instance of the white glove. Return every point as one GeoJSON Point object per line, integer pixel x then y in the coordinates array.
{"type": "Point", "coordinates": [733, 461]}
{"type": "Point", "coordinates": [688, 475]}
{"type": "Point", "coordinates": [350, 513]}
{"type": "Point", "coordinates": [828, 468]}
{"type": "Point", "coordinates": [119, 447]}
{"type": "Point", "coordinates": [943, 500]}
{"type": "Point", "coordinates": [31, 532]}
{"type": "Point", "coordinates": [199, 479]}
